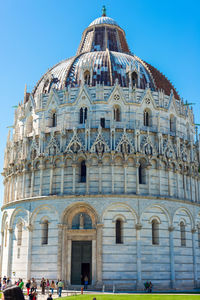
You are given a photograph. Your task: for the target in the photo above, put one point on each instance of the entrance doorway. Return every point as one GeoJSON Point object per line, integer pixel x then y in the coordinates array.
{"type": "Point", "coordinates": [81, 264]}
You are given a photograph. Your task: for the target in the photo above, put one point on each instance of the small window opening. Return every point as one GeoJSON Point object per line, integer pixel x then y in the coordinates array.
{"type": "Point", "coordinates": [54, 120]}
{"type": "Point", "coordinates": [83, 114]}
{"type": "Point", "coordinates": [45, 232]}
{"type": "Point", "coordinates": [142, 175]}
{"type": "Point", "coordinates": [155, 232]}
{"type": "Point", "coordinates": [134, 79]}
{"type": "Point", "coordinates": [183, 234]}
{"type": "Point", "coordinates": [146, 118]}
{"type": "Point", "coordinates": [83, 172]}
{"type": "Point", "coordinates": [19, 234]}
{"type": "Point", "coordinates": [102, 122]}
{"type": "Point", "coordinates": [87, 77]}
{"type": "Point", "coordinates": [118, 229]}
{"type": "Point", "coordinates": [117, 114]}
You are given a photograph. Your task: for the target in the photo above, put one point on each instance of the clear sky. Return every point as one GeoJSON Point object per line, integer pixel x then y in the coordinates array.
{"type": "Point", "coordinates": [36, 34]}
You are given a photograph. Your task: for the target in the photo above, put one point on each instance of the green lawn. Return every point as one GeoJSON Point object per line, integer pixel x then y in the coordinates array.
{"type": "Point", "coordinates": [134, 297]}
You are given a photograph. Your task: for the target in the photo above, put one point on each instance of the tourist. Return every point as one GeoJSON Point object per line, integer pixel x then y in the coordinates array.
{"type": "Point", "coordinates": [43, 285]}
{"type": "Point", "coordinates": [50, 297]}
{"type": "Point", "coordinates": [150, 287]}
{"type": "Point", "coordinates": [47, 286]}
{"type": "Point", "coordinates": [52, 286]}
{"type": "Point", "coordinates": [28, 286]}
{"type": "Point", "coordinates": [33, 285]}
{"type": "Point", "coordinates": [33, 296]}
{"type": "Point", "coordinates": [146, 286]}
{"type": "Point", "coordinates": [85, 282]}
{"type": "Point", "coordinates": [12, 292]}
{"type": "Point", "coordinates": [9, 283]}
{"type": "Point", "coordinates": [57, 285]}
{"type": "Point", "coordinates": [0, 284]}
{"type": "Point", "coordinates": [60, 287]}
{"type": "Point", "coordinates": [21, 284]}
{"type": "Point", "coordinates": [4, 286]}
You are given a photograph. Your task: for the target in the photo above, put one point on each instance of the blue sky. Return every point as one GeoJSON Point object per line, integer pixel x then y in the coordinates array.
{"type": "Point", "coordinates": [35, 35]}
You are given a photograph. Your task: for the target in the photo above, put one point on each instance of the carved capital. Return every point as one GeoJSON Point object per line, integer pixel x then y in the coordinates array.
{"type": "Point", "coordinates": [171, 228]}
{"type": "Point", "coordinates": [10, 230]}
{"type": "Point", "coordinates": [138, 226]}
{"type": "Point", "coordinates": [193, 230]}
{"type": "Point", "coordinates": [30, 227]}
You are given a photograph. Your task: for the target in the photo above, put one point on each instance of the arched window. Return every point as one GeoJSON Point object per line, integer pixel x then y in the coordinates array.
{"type": "Point", "coordinates": [83, 172]}
{"type": "Point", "coordinates": [117, 114]}
{"type": "Point", "coordinates": [83, 115]}
{"type": "Point", "coordinates": [19, 234]}
{"type": "Point", "coordinates": [155, 232]}
{"type": "Point", "coordinates": [172, 123]}
{"type": "Point", "coordinates": [134, 79]}
{"type": "Point", "coordinates": [183, 234]}
{"type": "Point", "coordinates": [54, 120]}
{"type": "Point", "coordinates": [142, 174]}
{"type": "Point", "coordinates": [146, 118]}
{"type": "Point", "coordinates": [118, 232]}
{"type": "Point", "coordinates": [87, 77]}
{"type": "Point", "coordinates": [45, 232]}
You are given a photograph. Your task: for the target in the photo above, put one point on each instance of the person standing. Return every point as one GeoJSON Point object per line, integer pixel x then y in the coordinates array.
{"type": "Point", "coordinates": [33, 285]}
{"type": "Point", "coordinates": [52, 286]}
{"type": "Point", "coordinates": [28, 286]}
{"type": "Point", "coordinates": [60, 287]}
{"type": "Point", "coordinates": [21, 284]}
{"type": "Point", "coordinates": [47, 286]}
{"type": "Point", "coordinates": [43, 285]}
{"type": "Point", "coordinates": [85, 282]}
{"type": "Point", "coordinates": [50, 297]}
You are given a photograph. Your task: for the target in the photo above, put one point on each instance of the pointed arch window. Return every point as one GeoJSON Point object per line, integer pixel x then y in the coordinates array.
{"type": "Point", "coordinates": [141, 174]}
{"type": "Point", "coordinates": [183, 234]}
{"type": "Point", "coordinates": [134, 79]}
{"type": "Point", "coordinates": [146, 118]}
{"type": "Point", "coordinates": [155, 232]}
{"type": "Point", "coordinates": [83, 115]}
{"type": "Point", "coordinates": [83, 171]}
{"type": "Point", "coordinates": [45, 232]}
{"type": "Point", "coordinates": [117, 113]}
{"type": "Point", "coordinates": [87, 77]}
{"type": "Point", "coordinates": [118, 232]}
{"type": "Point", "coordinates": [19, 234]}
{"type": "Point", "coordinates": [172, 123]}
{"type": "Point", "coordinates": [54, 119]}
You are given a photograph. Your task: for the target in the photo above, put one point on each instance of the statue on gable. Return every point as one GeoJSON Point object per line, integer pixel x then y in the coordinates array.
{"type": "Point", "coordinates": [148, 149]}
{"type": "Point", "coordinates": [100, 148]}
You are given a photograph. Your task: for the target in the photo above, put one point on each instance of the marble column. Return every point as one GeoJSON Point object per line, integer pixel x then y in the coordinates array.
{"type": "Point", "coordinates": [2, 250]}
{"type": "Point", "coordinates": [87, 178]}
{"type": "Point", "coordinates": [191, 194]}
{"type": "Point", "coordinates": [62, 178]}
{"type": "Point", "coordinates": [69, 253]}
{"type": "Point", "coordinates": [23, 183]}
{"type": "Point", "coordinates": [74, 178]}
{"type": "Point", "coordinates": [177, 183]}
{"type": "Point", "coordinates": [171, 250]}
{"type": "Point", "coordinates": [51, 181]}
{"type": "Point", "coordinates": [99, 254]}
{"type": "Point", "coordinates": [59, 251]}
{"type": "Point", "coordinates": [137, 179]}
{"type": "Point", "coordinates": [100, 177]}
{"type": "Point", "coordinates": [41, 179]}
{"type": "Point", "coordinates": [29, 250]}
{"type": "Point", "coordinates": [194, 233]}
{"type": "Point", "coordinates": [169, 183]}
{"type": "Point", "coordinates": [94, 261]}
{"type": "Point", "coordinates": [184, 186]}
{"type": "Point", "coordinates": [149, 180]}
{"type": "Point", "coordinates": [139, 283]}
{"type": "Point", "coordinates": [125, 177]}
{"type": "Point", "coordinates": [64, 253]}
{"type": "Point", "coordinates": [9, 263]}
{"type": "Point", "coordinates": [113, 177]}
{"type": "Point", "coordinates": [32, 182]}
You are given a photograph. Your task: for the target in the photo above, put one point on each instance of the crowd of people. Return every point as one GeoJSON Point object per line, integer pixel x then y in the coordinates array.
{"type": "Point", "coordinates": [31, 287]}
{"type": "Point", "coordinates": [148, 286]}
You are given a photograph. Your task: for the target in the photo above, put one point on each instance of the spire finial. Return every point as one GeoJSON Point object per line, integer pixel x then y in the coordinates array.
{"type": "Point", "coordinates": [103, 11]}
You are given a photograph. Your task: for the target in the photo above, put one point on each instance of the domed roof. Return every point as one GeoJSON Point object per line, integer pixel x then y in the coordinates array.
{"type": "Point", "coordinates": [103, 20]}
{"type": "Point", "coordinates": [104, 54]}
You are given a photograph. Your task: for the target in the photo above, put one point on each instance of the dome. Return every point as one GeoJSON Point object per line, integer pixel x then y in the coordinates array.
{"type": "Point", "coordinates": [103, 20]}
{"type": "Point", "coordinates": [104, 53]}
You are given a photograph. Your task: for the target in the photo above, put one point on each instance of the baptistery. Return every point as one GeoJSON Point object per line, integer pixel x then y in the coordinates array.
{"type": "Point", "coordinates": [101, 173]}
